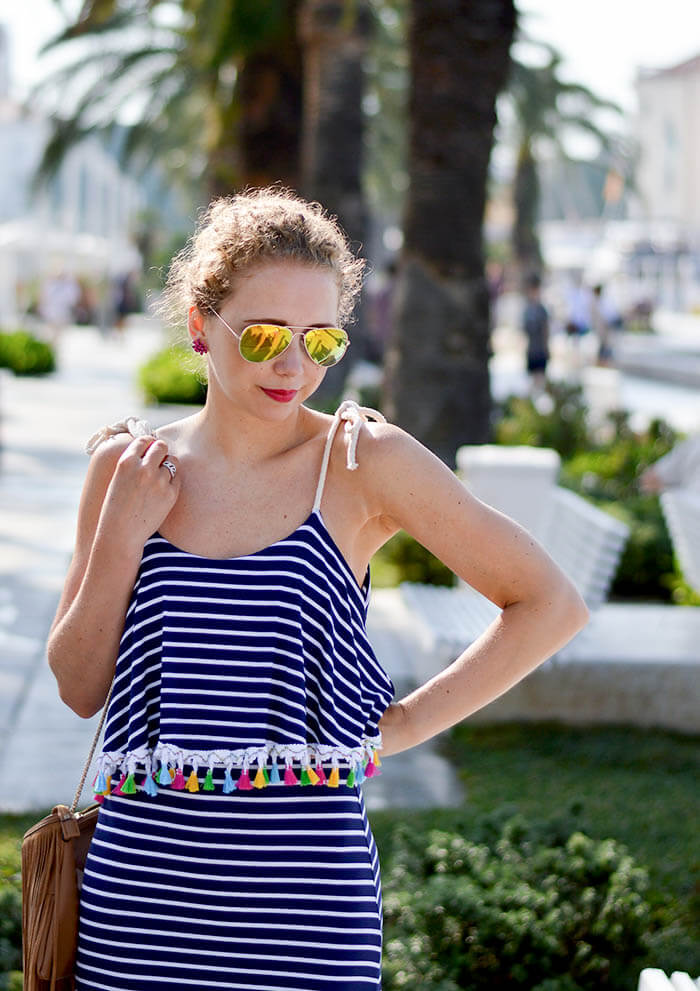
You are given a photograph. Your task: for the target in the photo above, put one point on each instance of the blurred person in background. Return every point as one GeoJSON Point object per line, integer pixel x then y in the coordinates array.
{"type": "Point", "coordinates": [536, 329]}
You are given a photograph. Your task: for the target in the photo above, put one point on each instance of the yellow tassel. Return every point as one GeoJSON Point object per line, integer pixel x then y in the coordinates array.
{"type": "Point", "coordinates": [334, 779]}
{"type": "Point", "coordinates": [259, 780]}
{"type": "Point", "coordinates": [313, 777]}
{"type": "Point", "coordinates": [375, 758]}
{"type": "Point", "coordinates": [172, 773]}
{"type": "Point", "coordinates": [109, 785]}
{"type": "Point", "coordinates": [192, 782]}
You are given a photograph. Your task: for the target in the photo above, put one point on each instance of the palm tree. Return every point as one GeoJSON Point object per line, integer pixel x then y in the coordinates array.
{"type": "Point", "coordinates": [437, 365]}
{"type": "Point", "coordinates": [222, 79]}
{"type": "Point", "coordinates": [545, 109]}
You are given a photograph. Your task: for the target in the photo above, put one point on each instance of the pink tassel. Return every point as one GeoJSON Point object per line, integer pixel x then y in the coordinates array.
{"type": "Point", "coordinates": [290, 777]}
{"type": "Point", "coordinates": [244, 782]}
{"type": "Point", "coordinates": [371, 770]}
{"type": "Point", "coordinates": [99, 799]}
{"type": "Point", "coordinates": [179, 782]}
{"type": "Point", "coordinates": [321, 774]}
{"type": "Point", "coordinates": [118, 789]}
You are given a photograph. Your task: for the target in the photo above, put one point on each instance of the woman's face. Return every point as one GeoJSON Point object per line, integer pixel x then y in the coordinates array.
{"type": "Point", "coordinates": [285, 293]}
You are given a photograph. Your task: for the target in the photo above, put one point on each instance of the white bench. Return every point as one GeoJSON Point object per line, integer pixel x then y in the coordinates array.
{"type": "Point", "coordinates": [681, 509]}
{"type": "Point", "coordinates": [585, 542]}
{"type": "Point", "coordinates": [652, 979]}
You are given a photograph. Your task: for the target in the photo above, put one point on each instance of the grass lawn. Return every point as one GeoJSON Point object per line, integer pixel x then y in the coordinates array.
{"type": "Point", "coordinates": [641, 787]}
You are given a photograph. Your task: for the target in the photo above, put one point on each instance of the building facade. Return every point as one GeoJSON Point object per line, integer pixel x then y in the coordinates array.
{"type": "Point", "coordinates": [669, 137]}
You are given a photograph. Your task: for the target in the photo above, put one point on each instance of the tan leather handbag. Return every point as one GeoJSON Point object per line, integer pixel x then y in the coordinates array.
{"type": "Point", "coordinates": [53, 859]}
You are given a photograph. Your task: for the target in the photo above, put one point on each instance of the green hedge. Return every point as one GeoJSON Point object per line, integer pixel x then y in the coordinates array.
{"type": "Point", "coordinates": [517, 905]}
{"type": "Point", "coordinates": [25, 354]}
{"type": "Point", "coordinates": [168, 377]}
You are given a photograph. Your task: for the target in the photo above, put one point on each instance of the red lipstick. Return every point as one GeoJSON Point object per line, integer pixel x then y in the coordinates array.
{"type": "Point", "coordinates": [281, 395]}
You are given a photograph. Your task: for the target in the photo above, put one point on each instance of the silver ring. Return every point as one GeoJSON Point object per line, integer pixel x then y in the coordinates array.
{"type": "Point", "coordinates": [170, 466]}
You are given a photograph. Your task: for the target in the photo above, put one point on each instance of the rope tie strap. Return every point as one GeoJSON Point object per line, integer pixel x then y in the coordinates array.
{"type": "Point", "coordinates": [353, 416]}
{"type": "Point", "coordinates": [131, 425]}
{"type": "Point", "coordinates": [164, 766]}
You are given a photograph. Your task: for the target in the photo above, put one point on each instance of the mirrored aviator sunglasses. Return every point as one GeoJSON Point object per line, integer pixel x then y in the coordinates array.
{"type": "Point", "coordinates": [263, 342]}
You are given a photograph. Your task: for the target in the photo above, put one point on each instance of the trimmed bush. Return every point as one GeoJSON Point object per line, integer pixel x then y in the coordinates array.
{"type": "Point", "coordinates": [166, 378]}
{"type": "Point", "coordinates": [25, 354]}
{"type": "Point", "coordinates": [10, 930]}
{"type": "Point", "coordinates": [403, 559]}
{"type": "Point", "coordinates": [520, 906]}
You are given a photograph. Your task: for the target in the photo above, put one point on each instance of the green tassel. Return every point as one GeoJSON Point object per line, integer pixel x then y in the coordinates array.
{"type": "Point", "coordinates": [350, 781]}
{"type": "Point", "coordinates": [209, 781]}
{"type": "Point", "coordinates": [129, 786]}
{"type": "Point", "coordinates": [305, 777]}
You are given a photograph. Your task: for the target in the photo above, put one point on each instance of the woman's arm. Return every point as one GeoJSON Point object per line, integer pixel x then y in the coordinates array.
{"type": "Point", "coordinates": [126, 496]}
{"type": "Point", "coordinates": [542, 610]}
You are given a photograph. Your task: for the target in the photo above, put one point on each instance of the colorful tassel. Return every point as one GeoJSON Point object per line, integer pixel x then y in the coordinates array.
{"type": "Point", "coordinates": [229, 784]}
{"type": "Point", "coordinates": [305, 780]}
{"type": "Point", "coordinates": [179, 783]}
{"type": "Point", "coordinates": [260, 781]}
{"type": "Point", "coordinates": [371, 770]}
{"type": "Point", "coordinates": [164, 775]}
{"type": "Point", "coordinates": [311, 775]}
{"type": "Point", "coordinates": [375, 758]}
{"type": "Point", "coordinates": [149, 785]}
{"type": "Point", "coordinates": [192, 781]}
{"type": "Point", "coordinates": [290, 777]}
{"type": "Point", "coordinates": [334, 780]}
{"type": "Point", "coordinates": [118, 789]}
{"type": "Point", "coordinates": [244, 782]}
{"type": "Point", "coordinates": [209, 780]}
{"type": "Point", "coordinates": [99, 799]}
{"type": "Point", "coordinates": [320, 774]}
{"type": "Point", "coordinates": [129, 785]}
{"type": "Point", "coordinates": [359, 774]}
{"type": "Point", "coordinates": [350, 780]}
{"type": "Point", "coordinates": [274, 775]}
{"type": "Point", "coordinates": [171, 772]}
{"type": "Point", "coordinates": [101, 783]}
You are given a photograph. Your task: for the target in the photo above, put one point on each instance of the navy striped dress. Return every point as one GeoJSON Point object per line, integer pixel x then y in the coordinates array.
{"type": "Point", "coordinates": [233, 848]}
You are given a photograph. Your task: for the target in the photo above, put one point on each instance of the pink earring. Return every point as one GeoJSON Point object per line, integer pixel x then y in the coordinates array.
{"type": "Point", "coordinates": [199, 346]}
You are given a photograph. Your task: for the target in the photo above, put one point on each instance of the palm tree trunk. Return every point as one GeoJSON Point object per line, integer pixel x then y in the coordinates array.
{"type": "Point", "coordinates": [437, 365]}
{"type": "Point", "coordinates": [335, 35]}
{"type": "Point", "coordinates": [259, 139]}
{"type": "Point", "coordinates": [526, 197]}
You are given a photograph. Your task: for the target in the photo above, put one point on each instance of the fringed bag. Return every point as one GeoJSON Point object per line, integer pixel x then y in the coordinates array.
{"type": "Point", "coordinates": [53, 860]}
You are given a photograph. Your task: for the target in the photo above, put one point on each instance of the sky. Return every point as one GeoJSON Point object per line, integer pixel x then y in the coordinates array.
{"type": "Point", "coordinates": [603, 42]}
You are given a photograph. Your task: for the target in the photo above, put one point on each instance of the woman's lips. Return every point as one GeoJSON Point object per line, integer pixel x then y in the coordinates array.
{"type": "Point", "coordinates": [281, 395]}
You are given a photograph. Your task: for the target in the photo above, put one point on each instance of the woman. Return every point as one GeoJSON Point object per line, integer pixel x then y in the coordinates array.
{"type": "Point", "coordinates": [222, 562]}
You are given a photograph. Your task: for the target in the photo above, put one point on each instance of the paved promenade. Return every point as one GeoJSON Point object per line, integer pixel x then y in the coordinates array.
{"type": "Point", "coordinates": [44, 425]}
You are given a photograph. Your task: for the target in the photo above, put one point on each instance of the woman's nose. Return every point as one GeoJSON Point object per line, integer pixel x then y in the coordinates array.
{"type": "Point", "coordinates": [292, 358]}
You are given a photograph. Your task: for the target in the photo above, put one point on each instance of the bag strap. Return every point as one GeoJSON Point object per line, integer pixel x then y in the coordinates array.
{"type": "Point", "coordinates": [79, 792]}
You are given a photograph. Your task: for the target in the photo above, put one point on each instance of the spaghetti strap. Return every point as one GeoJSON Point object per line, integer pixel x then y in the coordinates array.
{"type": "Point", "coordinates": [354, 417]}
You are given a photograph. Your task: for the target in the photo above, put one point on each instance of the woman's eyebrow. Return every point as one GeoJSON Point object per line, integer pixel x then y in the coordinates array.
{"type": "Point", "coordinates": [282, 323]}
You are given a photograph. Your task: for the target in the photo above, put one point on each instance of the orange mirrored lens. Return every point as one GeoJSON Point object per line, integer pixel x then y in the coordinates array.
{"type": "Point", "coordinates": [262, 342]}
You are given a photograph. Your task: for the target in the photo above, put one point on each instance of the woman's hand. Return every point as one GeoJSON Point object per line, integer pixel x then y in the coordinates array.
{"type": "Point", "coordinates": [141, 493]}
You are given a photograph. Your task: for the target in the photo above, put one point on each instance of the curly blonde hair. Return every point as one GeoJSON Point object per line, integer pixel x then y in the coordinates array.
{"type": "Point", "coordinates": [236, 232]}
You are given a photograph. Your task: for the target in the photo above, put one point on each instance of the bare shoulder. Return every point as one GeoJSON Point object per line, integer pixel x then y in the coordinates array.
{"type": "Point", "coordinates": [393, 461]}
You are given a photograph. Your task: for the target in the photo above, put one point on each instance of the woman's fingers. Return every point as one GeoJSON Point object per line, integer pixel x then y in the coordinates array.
{"type": "Point", "coordinates": [156, 454]}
